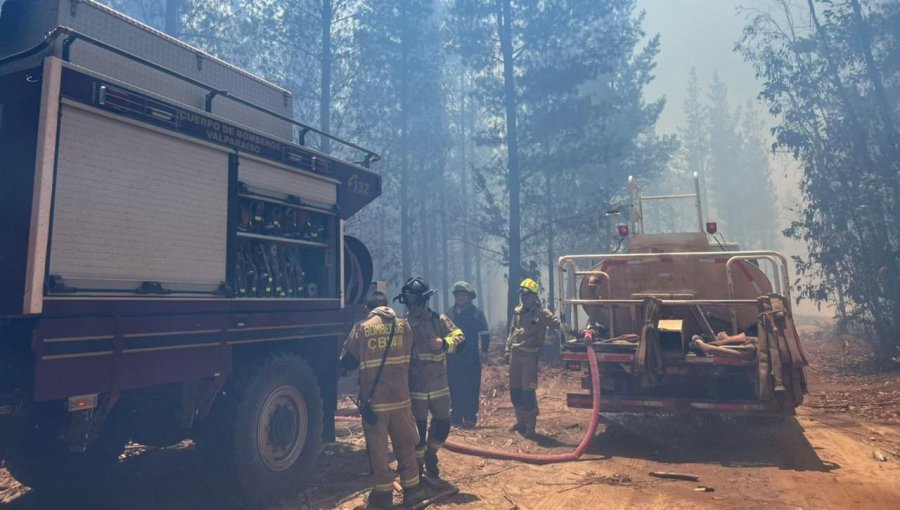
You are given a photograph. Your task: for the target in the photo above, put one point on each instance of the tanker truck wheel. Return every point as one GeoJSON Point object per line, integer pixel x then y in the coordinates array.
{"type": "Point", "coordinates": [277, 428]}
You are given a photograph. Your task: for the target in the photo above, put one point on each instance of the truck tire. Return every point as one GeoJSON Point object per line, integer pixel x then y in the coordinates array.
{"type": "Point", "coordinates": [41, 461]}
{"type": "Point", "coordinates": [277, 428]}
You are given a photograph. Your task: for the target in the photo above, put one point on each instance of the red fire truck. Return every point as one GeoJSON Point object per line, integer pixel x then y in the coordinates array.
{"type": "Point", "coordinates": [173, 262]}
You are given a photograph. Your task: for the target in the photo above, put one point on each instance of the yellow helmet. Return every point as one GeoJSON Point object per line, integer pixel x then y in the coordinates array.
{"type": "Point", "coordinates": [529, 285]}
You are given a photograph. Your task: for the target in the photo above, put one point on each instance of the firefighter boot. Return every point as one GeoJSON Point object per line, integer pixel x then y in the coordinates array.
{"type": "Point", "coordinates": [431, 464]}
{"type": "Point", "coordinates": [379, 499]}
{"type": "Point", "coordinates": [530, 425]}
{"type": "Point", "coordinates": [520, 421]}
{"type": "Point", "coordinates": [414, 496]}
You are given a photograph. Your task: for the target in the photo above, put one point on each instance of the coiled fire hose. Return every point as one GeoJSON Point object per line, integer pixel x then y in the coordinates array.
{"type": "Point", "coordinates": [537, 458]}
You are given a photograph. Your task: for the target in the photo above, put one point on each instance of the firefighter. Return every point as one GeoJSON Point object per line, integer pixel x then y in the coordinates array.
{"type": "Point", "coordinates": [464, 368]}
{"type": "Point", "coordinates": [526, 336]}
{"type": "Point", "coordinates": [365, 349]}
{"type": "Point", "coordinates": [434, 336]}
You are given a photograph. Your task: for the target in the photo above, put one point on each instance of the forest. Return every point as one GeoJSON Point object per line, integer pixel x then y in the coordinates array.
{"type": "Point", "coordinates": [508, 128]}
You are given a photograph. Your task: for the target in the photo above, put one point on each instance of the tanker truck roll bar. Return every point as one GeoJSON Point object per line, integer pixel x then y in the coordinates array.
{"type": "Point", "coordinates": [568, 265]}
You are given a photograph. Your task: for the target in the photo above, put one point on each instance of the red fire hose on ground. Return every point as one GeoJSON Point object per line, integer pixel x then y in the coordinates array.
{"type": "Point", "coordinates": [534, 458]}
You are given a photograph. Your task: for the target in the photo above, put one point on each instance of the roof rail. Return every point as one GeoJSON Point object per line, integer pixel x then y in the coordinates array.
{"type": "Point", "coordinates": [73, 36]}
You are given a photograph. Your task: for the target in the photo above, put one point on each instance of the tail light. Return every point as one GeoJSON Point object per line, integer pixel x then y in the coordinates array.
{"type": "Point", "coordinates": [711, 227]}
{"type": "Point", "coordinates": [623, 230]}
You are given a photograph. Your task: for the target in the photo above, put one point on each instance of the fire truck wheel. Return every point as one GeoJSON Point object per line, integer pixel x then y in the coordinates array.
{"type": "Point", "coordinates": [39, 460]}
{"type": "Point", "coordinates": [277, 427]}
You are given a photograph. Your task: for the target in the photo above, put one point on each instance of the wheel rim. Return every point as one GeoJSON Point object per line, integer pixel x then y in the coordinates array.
{"type": "Point", "coordinates": [282, 427]}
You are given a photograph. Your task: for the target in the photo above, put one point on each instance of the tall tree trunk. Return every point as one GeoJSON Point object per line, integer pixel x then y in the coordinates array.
{"type": "Point", "coordinates": [483, 292]}
{"type": "Point", "coordinates": [427, 234]}
{"type": "Point", "coordinates": [325, 99]}
{"type": "Point", "coordinates": [551, 242]}
{"type": "Point", "coordinates": [464, 175]}
{"type": "Point", "coordinates": [405, 261]}
{"type": "Point", "coordinates": [173, 8]}
{"type": "Point", "coordinates": [445, 262]}
{"type": "Point", "coordinates": [504, 21]}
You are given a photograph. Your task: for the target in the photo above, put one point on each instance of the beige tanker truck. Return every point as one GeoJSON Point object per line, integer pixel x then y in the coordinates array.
{"type": "Point", "coordinates": [683, 321]}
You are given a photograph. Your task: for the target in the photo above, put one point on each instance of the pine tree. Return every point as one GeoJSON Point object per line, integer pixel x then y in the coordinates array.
{"type": "Point", "coordinates": [726, 197]}
{"type": "Point", "coordinates": [561, 85]}
{"type": "Point", "coordinates": [401, 95]}
{"type": "Point", "coordinates": [757, 216]}
{"type": "Point", "coordinates": [695, 138]}
{"type": "Point", "coordinates": [831, 82]}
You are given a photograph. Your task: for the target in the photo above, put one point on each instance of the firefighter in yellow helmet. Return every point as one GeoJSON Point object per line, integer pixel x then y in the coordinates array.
{"type": "Point", "coordinates": [526, 336]}
{"type": "Point", "coordinates": [434, 336]}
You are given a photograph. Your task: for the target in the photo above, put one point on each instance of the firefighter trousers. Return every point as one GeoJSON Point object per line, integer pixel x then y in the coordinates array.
{"type": "Point", "coordinates": [523, 370]}
{"type": "Point", "coordinates": [400, 426]}
{"type": "Point", "coordinates": [438, 404]}
{"type": "Point", "coordinates": [523, 378]}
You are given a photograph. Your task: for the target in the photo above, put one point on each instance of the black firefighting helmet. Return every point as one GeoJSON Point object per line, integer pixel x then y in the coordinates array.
{"type": "Point", "coordinates": [415, 290]}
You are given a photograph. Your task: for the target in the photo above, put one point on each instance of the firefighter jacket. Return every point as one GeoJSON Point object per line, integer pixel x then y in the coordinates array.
{"type": "Point", "coordinates": [529, 329]}
{"type": "Point", "coordinates": [367, 342]}
{"type": "Point", "coordinates": [474, 327]}
{"type": "Point", "coordinates": [428, 368]}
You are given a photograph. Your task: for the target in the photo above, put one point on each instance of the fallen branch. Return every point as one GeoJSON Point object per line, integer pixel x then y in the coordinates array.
{"type": "Point", "coordinates": [515, 506]}
{"type": "Point", "coordinates": [828, 406]}
{"type": "Point", "coordinates": [675, 476]}
{"type": "Point", "coordinates": [591, 480]}
{"type": "Point", "coordinates": [485, 475]}
{"type": "Point", "coordinates": [347, 498]}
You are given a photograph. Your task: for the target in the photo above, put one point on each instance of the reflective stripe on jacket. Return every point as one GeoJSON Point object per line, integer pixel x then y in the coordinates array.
{"type": "Point", "coordinates": [528, 330]}
{"type": "Point", "coordinates": [428, 367]}
{"type": "Point", "coordinates": [367, 342]}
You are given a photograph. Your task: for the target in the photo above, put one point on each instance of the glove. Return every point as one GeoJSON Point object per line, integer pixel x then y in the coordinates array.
{"type": "Point", "coordinates": [506, 358]}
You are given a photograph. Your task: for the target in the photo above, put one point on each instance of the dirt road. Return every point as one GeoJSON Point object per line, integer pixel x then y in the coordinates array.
{"type": "Point", "coordinates": [825, 458]}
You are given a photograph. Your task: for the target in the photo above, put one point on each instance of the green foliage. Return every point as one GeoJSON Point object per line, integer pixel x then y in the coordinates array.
{"type": "Point", "coordinates": [737, 174]}
{"type": "Point", "coordinates": [582, 124]}
{"type": "Point", "coordinates": [832, 75]}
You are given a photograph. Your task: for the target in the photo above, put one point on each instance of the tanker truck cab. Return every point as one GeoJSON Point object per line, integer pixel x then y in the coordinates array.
{"type": "Point", "coordinates": [682, 321]}
{"type": "Point", "coordinates": [173, 261]}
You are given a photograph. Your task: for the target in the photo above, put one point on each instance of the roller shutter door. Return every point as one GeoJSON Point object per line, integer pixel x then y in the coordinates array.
{"type": "Point", "coordinates": [134, 205]}
{"type": "Point", "coordinates": [275, 179]}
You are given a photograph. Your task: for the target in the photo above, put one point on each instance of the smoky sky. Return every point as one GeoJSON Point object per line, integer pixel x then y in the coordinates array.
{"type": "Point", "coordinates": [702, 34]}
